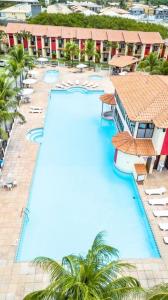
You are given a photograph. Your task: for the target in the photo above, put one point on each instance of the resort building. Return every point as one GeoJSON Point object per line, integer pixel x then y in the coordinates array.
{"type": "Point", "coordinates": [20, 12]}
{"type": "Point", "coordinates": [50, 41]}
{"type": "Point", "coordinates": [141, 115]}
{"type": "Point", "coordinates": [161, 12]}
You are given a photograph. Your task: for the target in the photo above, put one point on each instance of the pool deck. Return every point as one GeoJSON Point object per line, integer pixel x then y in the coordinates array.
{"type": "Point", "coordinates": [18, 279]}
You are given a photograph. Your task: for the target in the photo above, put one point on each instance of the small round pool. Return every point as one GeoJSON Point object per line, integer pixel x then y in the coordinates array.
{"type": "Point", "coordinates": [95, 77]}
{"type": "Point", "coordinates": [51, 76]}
{"type": "Point", "coordinates": [35, 135]}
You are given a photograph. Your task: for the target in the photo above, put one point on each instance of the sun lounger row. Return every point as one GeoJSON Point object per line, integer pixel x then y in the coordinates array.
{"type": "Point", "coordinates": [160, 201]}
{"type": "Point", "coordinates": [156, 191]}
{"type": "Point", "coordinates": [34, 109]}
{"type": "Point", "coordinates": [69, 84]}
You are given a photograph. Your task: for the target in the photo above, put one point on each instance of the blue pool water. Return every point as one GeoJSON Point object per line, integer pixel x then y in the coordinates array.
{"type": "Point", "coordinates": [35, 135]}
{"type": "Point", "coordinates": [95, 77]}
{"type": "Point", "coordinates": [76, 190]}
{"type": "Point", "coordinates": [51, 76]}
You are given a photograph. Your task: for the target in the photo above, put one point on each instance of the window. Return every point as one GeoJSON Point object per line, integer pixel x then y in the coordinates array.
{"type": "Point", "coordinates": [34, 51]}
{"type": "Point", "coordinates": [120, 106]}
{"type": "Point", "coordinates": [105, 46]}
{"type": "Point", "coordinates": [145, 130]}
{"type": "Point", "coordinates": [19, 40]}
{"type": "Point", "coordinates": [33, 40]}
{"type": "Point", "coordinates": [122, 45]}
{"type": "Point", "coordinates": [131, 125]}
{"type": "Point", "coordinates": [155, 47]}
{"type": "Point", "coordinates": [60, 43]}
{"type": "Point", "coordinates": [46, 41]}
{"type": "Point", "coordinates": [105, 57]}
{"type": "Point", "coordinates": [118, 120]}
{"type": "Point", "coordinates": [48, 52]}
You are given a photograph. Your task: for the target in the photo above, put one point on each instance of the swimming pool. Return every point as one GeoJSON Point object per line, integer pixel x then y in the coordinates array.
{"type": "Point", "coordinates": [77, 191]}
{"type": "Point", "coordinates": [51, 76]}
{"type": "Point", "coordinates": [95, 77]}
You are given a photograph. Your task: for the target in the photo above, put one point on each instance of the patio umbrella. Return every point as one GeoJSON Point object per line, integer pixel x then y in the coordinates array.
{"type": "Point", "coordinates": [81, 66]}
{"type": "Point", "coordinates": [32, 72]}
{"type": "Point", "coordinates": [29, 81]}
{"type": "Point", "coordinates": [26, 92]}
{"type": "Point", "coordinates": [42, 59]}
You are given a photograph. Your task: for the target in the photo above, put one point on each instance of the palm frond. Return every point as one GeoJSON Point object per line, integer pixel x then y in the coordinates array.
{"type": "Point", "coordinates": [158, 292]}
{"type": "Point", "coordinates": [51, 266]}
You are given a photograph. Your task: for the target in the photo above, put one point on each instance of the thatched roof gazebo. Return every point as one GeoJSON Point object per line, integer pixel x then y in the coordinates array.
{"type": "Point", "coordinates": [123, 61]}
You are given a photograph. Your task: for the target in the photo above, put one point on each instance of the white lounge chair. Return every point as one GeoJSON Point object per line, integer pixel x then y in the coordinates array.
{"type": "Point", "coordinates": [70, 82]}
{"type": "Point", "coordinates": [94, 85]}
{"type": "Point", "coordinates": [36, 109]}
{"type": "Point", "coordinates": [89, 84]}
{"type": "Point", "coordinates": [65, 84]}
{"type": "Point", "coordinates": [165, 239]}
{"type": "Point", "coordinates": [76, 82]}
{"type": "Point", "coordinates": [59, 86]}
{"type": "Point", "coordinates": [163, 226]}
{"type": "Point", "coordinates": [160, 201]}
{"type": "Point", "coordinates": [157, 191]}
{"type": "Point", "coordinates": [85, 83]}
{"type": "Point", "coordinates": [160, 213]}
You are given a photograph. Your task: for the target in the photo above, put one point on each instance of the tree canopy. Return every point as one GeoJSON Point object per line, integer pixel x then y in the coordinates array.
{"type": "Point", "coordinates": [106, 22]}
{"type": "Point", "coordinates": [98, 275]}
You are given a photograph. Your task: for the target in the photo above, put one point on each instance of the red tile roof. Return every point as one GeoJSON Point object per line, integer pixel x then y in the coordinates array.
{"type": "Point", "coordinates": [122, 61]}
{"type": "Point", "coordinates": [124, 142]}
{"type": "Point", "coordinates": [87, 33]}
{"type": "Point", "coordinates": [99, 34]}
{"type": "Point", "coordinates": [150, 37]}
{"type": "Point", "coordinates": [83, 33]}
{"type": "Point", "coordinates": [115, 36]}
{"type": "Point", "coordinates": [144, 97]}
{"type": "Point", "coordinates": [131, 37]}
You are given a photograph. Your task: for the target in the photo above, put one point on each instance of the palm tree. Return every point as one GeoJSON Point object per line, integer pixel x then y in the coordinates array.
{"type": "Point", "coordinates": [158, 292]}
{"type": "Point", "coordinates": [13, 70]}
{"type": "Point", "coordinates": [162, 68]}
{"type": "Point", "coordinates": [97, 276]}
{"type": "Point", "coordinates": [71, 50]}
{"type": "Point", "coordinates": [6, 88]}
{"type": "Point", "coordinates": [3, 40]}
{"type": "Point", "coordinates": [8, 117]}
{"type": "Point", "coordinates": [23, 59]}
{"type": "Point", "coordinates": [150, 63]}
{"type": "Point", "coordinates": [8, 105]}
{"type": "Point", "coordinates": [90, 51]}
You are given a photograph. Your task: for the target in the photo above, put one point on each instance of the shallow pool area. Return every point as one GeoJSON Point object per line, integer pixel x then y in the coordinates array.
{"type": "Point", "coordinates": [76, 190]}
{"type": "Point", "coordinates": [51, 76]}
{"type": "Point", "coordinates": [35, 135]}
{"type": "Point", "coordinates": [95, 77]}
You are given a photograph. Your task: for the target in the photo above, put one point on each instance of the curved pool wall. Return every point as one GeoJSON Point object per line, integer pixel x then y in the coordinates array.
{"type": "Point", "coordinates": [51, 76]}
{"type": "Point", "coordinates": [35, 135]}
{"type": "Point", "coordinates": [76, 190]}
{"type": "Point", "coordinates": [95, 77]}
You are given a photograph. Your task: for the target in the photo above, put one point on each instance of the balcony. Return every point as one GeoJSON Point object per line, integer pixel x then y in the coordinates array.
{"type": "Point", "coordinates": [121, 51]}
{"type": "Point", "coordinates": [46, 45]}
{"type": "Point", "coordinates": [138, 52]}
